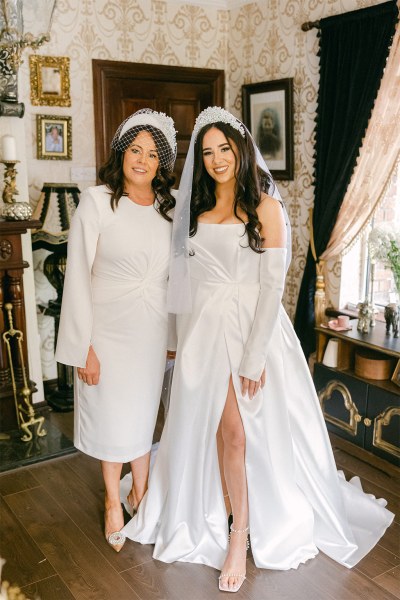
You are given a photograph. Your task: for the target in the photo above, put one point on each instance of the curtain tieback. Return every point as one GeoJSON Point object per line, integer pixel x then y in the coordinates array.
{"type": "Point", "coordinates": [319, 296]}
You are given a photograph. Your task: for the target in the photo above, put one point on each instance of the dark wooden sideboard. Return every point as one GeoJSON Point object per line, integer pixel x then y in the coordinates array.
{"type": "Point", "coordinates": [363, 411]}
{"type": "Point", "coordinates": [12, 268]}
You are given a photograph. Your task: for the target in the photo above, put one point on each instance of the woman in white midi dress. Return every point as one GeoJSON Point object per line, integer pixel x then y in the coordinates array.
{"type": "Point", "coordinates": [114, 318]}
{"type": "Point", "coordinates": [277, 461]}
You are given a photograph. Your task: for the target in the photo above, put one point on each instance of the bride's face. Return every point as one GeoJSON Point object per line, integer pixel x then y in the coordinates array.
{"type": "Point", "coordinates": [220, 156]}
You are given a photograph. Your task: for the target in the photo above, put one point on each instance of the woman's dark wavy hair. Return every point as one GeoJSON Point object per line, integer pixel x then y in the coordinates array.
{"type": "Point", "coordinates": [111, 173]}
{"type": "Point", "coordinates": [250, 182]}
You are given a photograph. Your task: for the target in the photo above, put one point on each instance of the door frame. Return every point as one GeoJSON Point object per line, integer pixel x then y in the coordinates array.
{"type": "Point", "coordinates": [109, 69]}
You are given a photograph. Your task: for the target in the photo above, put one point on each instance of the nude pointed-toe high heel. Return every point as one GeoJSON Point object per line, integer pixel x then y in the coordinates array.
{"type": "Point", "coordinates": [132, 506]}
{"type": "Point", "coordinates": [116, 540]}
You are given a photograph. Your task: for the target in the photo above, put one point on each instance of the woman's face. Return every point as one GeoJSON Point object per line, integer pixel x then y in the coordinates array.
{"type": "Point", "coordinates": [220, 156]}
{"type": "Point", "coordinates": [140, 160]}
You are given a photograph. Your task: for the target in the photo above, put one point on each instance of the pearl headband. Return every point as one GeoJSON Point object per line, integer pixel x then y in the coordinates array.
{"type": "Point", "coordinates": [216, 114]}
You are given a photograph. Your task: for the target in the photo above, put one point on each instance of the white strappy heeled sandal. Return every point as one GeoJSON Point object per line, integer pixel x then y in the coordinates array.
{"type": "Point", "coordinates": [239, 576]}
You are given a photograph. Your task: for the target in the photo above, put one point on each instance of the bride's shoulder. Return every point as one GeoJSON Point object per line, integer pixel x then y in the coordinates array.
{"type": "Point", "coordinates": [271, 217]}
{"type": "Point", "coordinates": [268, 207]}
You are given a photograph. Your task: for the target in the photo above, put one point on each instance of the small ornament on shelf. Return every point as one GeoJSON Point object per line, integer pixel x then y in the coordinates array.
{"type": "Point", "coordinates": [392, 318]}
{"type": "Point", "coordinates": [366, 317]}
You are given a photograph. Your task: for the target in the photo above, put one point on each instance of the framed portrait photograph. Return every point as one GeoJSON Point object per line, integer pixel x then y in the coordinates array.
{"type": "Point", "coordinates": [54, 137]}
{"type": "Point", "coordinates": [50, 84]}
{"type": "Point", "coordinates": [268, 114]}
{"type": "Point", "coordinates": [396, 374]}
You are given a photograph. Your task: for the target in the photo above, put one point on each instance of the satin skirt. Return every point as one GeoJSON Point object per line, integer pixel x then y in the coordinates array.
{"type": "Point", "coordinates": [298, 502]}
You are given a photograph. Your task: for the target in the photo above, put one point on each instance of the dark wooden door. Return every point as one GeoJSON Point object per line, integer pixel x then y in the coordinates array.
{"type": "Point", "coordinates": [121, 88]}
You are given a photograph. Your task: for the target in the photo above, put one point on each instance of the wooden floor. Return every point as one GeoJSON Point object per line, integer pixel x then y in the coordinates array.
{"type": "Point", "coordinates": [52, 537]}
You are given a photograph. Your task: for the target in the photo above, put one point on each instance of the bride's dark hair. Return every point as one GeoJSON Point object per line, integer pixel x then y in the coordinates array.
{"type": "Point", "coordinates": [251, 181]}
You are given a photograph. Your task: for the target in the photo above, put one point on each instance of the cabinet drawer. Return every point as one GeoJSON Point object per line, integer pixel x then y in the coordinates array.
{"type": "Point", "coordinates": [382, 435]}
{"type": "Point", "coordinates": [343, 401]}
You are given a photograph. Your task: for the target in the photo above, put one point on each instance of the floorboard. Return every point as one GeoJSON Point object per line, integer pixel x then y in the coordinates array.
{"type": "Point", "coordinates": [83, 568]}
{"type": "Point", "coordinates": [160, 581]}
{"type": "Point", "coordinates": [391, 539]}
{"type": "Point", "coordinates": [68, 490]}
{"type": "Point", "coordinates": [377, 562]}
{"type": "Point", "coordinates": [51, 533]}
{"type": "Point", "coordinates": [366, 472]}
{"type": "Point", "coordinates": [390, 581]}
{"type": "Point", "coordinates": [17, 481]}
{"type": "Point", "coordinates": [52, 587]}
{"type": "Point", "coordinates": [25, 562]}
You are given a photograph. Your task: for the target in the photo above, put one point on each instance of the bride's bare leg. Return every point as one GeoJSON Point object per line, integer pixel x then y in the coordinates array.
{"type": "Point", "coordinates": [140, 477]}
{"type": "Point", "coordinates": [235, 474]}
{"type": "Point", "coordinates": [220, 450]}
{"type": "Point", "coordinates": [113, 515]}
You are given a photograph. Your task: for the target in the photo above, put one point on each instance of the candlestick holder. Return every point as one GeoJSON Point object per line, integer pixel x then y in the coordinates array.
{"type": "Point", "coordinates": [13, 210]}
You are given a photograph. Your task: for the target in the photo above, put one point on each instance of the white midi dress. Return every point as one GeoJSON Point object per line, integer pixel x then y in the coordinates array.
{"type": "Point", "coordinates": [298, 503]}
{"type": "Point", "coordinates": [115, 299]}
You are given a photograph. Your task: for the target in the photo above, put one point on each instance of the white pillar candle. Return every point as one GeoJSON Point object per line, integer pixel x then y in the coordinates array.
{"type": "Point", "coordinates": [8, 148]}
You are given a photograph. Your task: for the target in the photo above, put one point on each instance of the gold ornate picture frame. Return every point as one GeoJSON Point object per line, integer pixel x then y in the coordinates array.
{"type": "Point", "coordinates": [54, 137]}
{"type": "Point", "coordinates": [396, 374]}
{"type": "Point", "coordinates": [50, 83]}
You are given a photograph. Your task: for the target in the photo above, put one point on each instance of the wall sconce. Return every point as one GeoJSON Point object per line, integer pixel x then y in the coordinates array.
{"type": "Point", "coordinates": [23, 24]}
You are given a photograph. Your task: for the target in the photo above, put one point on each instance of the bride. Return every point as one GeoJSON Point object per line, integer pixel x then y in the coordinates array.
{"type": "Point", "coordinates": [244, 430]}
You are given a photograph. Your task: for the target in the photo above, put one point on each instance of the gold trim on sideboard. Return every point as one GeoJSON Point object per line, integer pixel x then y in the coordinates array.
{"type": "Point", "coordinates": [354, 415]}
{"type": "Point", "coordinates": [381, 421]}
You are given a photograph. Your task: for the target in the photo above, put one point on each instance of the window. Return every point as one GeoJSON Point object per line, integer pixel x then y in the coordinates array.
{"type": "Point", "coordinates": [356, 265]}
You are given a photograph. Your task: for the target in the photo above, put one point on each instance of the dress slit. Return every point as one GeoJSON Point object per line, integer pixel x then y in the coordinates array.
{"type": "Point", "coordinates": [235, 392]}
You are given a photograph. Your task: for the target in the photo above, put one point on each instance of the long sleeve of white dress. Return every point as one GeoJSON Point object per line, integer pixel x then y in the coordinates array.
{"type": "Point", "coordinates": [76, 319]}
{"type": "Point", "coordinates": [272, 283]}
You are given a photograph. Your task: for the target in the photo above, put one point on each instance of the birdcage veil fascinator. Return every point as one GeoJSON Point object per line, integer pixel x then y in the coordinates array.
{"type": "Point", "coordinates": [158, 124]}
{"type": "Point", "coordinates": [179, 289]}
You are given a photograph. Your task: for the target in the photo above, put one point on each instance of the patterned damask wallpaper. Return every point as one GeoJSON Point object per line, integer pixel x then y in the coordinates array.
{"type": "Point", "coordinates": [256, 41]}
{"type": "Point", "coordinates": [266, 42]}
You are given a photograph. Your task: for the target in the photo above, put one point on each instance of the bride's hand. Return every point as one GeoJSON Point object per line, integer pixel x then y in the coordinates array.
{"type": "Point", "coordinates": [251, 387]}
{"type": "Point", "coordinates": [91, 373]}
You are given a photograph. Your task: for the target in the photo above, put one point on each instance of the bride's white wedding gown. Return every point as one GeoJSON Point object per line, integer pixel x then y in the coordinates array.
{"type": "Point", "coordinates": [298, 503]}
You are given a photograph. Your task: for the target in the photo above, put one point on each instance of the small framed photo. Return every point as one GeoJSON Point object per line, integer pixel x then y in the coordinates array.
{"type": "Point", "coordinates": [268, 114]}
{"type": "Point", "coordinates": [50, 84]}
{"type": "Point", "coordinates": [396, 374]}
{"type": "Point", "coordinates": [54, 137]}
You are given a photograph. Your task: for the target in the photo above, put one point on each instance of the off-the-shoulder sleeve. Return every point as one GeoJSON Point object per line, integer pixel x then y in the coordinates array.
{"type": "Point", "coordinates": [76, 319]}
{"type": "Point", "coordinates": [272, 283]}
